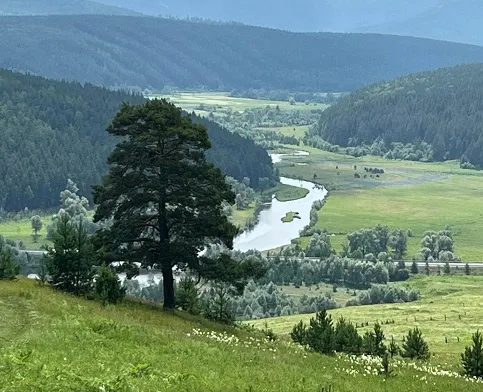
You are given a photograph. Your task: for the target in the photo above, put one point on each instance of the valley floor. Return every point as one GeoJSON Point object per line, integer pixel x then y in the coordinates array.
{"type": "Point", "coordinates": [409, 195]}
{"type": "Point", "coordinates": [54, 342]}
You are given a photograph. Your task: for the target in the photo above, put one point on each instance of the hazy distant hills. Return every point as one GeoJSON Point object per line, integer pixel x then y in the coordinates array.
{"type": "Point", "coordinates": [154, 53]}
{"type": "Point", "coordinates": [60, 7]}
{"type": "Point", "coordinates": [455, 20]}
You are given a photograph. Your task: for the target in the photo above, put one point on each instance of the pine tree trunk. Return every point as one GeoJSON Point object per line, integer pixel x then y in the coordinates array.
{"type": "Point", "coordinates": [168, 287]}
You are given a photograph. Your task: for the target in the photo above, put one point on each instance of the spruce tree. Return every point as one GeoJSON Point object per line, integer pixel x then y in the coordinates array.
{"type": "Point", "coordinates": [320, 334]}
{"type": "Point", "coordinates": [414, 346]}
{"type": "Point", "coordinates": [70, 261]}
{"type": "Point", "coordinates": [472, 358]}
{"type": "Point", "coordinates": [164, 200]}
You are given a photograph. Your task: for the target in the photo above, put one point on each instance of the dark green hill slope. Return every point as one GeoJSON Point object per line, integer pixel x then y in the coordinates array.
{"type": "Point", "coordinates": [154, 53]}
{"type": "Point", "coordinates": [443, 108]}
{"type": "Point", "coordinates": [60, 7]}
{"type": "Point", "coordinates": [51, 131]}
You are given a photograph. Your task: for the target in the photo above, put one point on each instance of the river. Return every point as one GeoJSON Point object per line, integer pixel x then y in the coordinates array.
{"type": "Point", "coordinates": [271, 232]}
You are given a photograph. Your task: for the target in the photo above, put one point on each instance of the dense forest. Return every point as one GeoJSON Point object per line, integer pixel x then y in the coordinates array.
{"type": "Point", "coordinates": [443, 108]}
{"type": "Point", "coordinates": [53, 130]}
{"type": "Point", "coordinates": [154, 53]}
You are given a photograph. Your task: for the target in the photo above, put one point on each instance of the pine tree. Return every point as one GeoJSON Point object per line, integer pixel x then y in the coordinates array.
{"type": "Point", "coordinates": [472, 358]}
{"type": "Point", "coordinates": [70, 261]}
{"type": "Point", "coordinates": [165, 200]}
{"type": "Point", "coordinates": [299, 333]}
{"type": "Point", "coordinates": [320, 334]}
{"type": "Point", "coordinates": [379, 347]}
{"type": "Point", "coordinates": [8, 268]}
{"type": "Point", "coordinates": [467, 269]}
{"type": "Point", "coordinates": [414, 346]}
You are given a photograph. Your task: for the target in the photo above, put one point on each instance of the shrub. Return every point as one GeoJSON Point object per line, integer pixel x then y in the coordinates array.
{"type": "Point", "coordinates": [299, 333]}
{"type": "Point", "coordinates": [187, 296]}
{"type": "Point", "coordinates": [108, 287]}
{"type": "Point", "coordinates": [8, 268]}
{"type": "Point", "coordinates": [414, 346]}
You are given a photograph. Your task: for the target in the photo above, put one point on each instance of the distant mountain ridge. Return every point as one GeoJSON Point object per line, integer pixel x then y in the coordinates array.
{"type": "Point", "coordinates": [154, 53]}
{"type": "Point", "coordinates": [451, 20]}
{"type": "Point", "coordinates": [61, 7]}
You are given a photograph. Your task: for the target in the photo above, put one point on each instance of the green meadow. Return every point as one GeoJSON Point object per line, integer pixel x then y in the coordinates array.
{"type": "Point", "coordinates": [21, 230]}
{"type": "Point", "coordinates": [448, 313]}
{"type": "Point", "coordinates": [409, 195]}
{"type": "Point", "coordinates": [51, 341]}
{"type": "Point", "coordinates": [199, 101]}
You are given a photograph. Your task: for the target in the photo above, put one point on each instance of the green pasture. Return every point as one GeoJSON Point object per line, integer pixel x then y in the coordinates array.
{"type": "Point", "coordinates": [409, 195]}
{"type": "Point", "coordinates": [21, 230]}
{"type": "Point", "coordinates": [449, 309]}
{"type": "Point", "coordinates": [55, 342]}
{"type": "Point", "coordinates": [221, 100]}
{"type": "Point", "coordinates": [298, 130]}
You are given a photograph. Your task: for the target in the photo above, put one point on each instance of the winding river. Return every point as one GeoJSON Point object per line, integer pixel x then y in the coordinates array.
{"type": "Point", "coordinates": [271, 232]}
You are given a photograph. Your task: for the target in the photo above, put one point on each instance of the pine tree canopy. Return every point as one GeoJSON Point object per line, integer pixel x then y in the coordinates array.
{"type": "Point", "coordinates": [164, 200]}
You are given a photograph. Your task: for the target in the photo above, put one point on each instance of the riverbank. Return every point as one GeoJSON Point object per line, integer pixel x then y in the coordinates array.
{"type": "Point", "coordinates": [409, 195]}
{"type": "Point", "coordinates": [270, 232]}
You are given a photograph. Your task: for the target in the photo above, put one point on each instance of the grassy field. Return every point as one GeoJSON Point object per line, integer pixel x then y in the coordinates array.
{"type": "Point", "coordinates": [55, 342]}
{"type": "Point", "coordinates": [409, 195]}
{"type": "Point", "coordinates": [21, 230]}
{"type": "Point", "coordinates": [204, 101]}
{"type": "Point", "coordinates": [297, 131]}
{"type": "Point", "coordinates": [449, 308]}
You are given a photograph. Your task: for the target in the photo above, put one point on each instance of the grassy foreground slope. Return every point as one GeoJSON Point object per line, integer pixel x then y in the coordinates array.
{"type": "Point", "coordinates": [53, 342]}
{"type": "Point", "coordinates": [449, 308]}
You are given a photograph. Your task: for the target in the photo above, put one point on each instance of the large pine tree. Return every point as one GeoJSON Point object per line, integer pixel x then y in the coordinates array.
{"type": "Point", "coordinates": [161, 196]}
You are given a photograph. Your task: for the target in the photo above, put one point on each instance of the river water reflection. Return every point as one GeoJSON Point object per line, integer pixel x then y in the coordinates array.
{"type": "Point", "coordinates": [271, 232]}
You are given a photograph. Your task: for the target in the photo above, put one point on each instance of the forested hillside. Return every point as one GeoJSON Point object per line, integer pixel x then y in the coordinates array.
{"type": "Point", "coordinates": [60, 7]}
{"type": "Point", "coordinates": [52, 131]}
{"type": "Point", "coordinates": [443, 108]}
{"type": "Point", "coordinates": [155, 53]}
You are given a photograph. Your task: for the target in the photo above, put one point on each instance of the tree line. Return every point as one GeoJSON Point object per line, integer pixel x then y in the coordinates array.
{"type": "Point", "coordinates": [428, 116]}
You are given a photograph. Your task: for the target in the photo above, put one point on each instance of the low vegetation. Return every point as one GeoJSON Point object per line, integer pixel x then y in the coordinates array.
{"type": "Point", "coordinates": [448, 313]}
{"type": "Point", "coordinates": [290, 216]}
